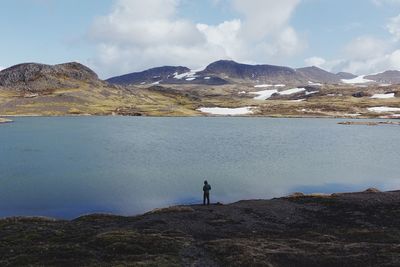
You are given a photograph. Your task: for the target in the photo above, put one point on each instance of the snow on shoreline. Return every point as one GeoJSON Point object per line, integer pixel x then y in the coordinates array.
{"type": "Point", "coordinates": [383, 96]}
{"type": "Point", "coordinates": [227, 111]}
{"type": "Point", "coordinates": [383, 109]}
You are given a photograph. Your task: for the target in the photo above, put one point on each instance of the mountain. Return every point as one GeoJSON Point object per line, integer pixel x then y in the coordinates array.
{"type": "Point", "coordinates": [153, 75]}
{"type": "Point", "coordinates": [389, 77]}
{"type": "Point", "coordinates": [346, 75]}
{"type": "Point", "coordinates": [228, 69]}
{"type": "Point", "coordinates": [74, 89]}
{"type": "Point", "coordinates": [34, 77]}
{"type": "Point", "coordinates": [316, 74]}
{"type": "Point", "coordinates": [166, 75]}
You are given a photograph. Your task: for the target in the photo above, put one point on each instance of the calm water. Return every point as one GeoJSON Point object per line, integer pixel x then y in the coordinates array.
{"type": "Point", "coordinates": [65, 167]}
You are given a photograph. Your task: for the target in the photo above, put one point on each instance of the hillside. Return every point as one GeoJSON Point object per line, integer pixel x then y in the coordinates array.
{"type": "Point", "coordinates": [36, 78]}
{"type": "Point", "coordinates": [74, 89]}
{"type": "Point", "coordinates": [228, 69]}
{"type": "Point", "coordinates": [254, 90]}
{"type": "Point", "coordinates": [153, 75]}
{"type": "Point", "coordinates": [315, 74]}
{"type": "Point", "coordinates": [387, 77]}
{"type": "Point", "coordinates": [224, 72]}
{"type": "Point", "coordinates": [353, 229]}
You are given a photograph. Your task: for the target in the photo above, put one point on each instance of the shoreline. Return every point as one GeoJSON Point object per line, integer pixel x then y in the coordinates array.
{"type": "Point", "coordinates": [297, 230]}
{"type": "Point", "coordinates": [293, 195]}
{"type": "Point", "coordinates": [205, 116]}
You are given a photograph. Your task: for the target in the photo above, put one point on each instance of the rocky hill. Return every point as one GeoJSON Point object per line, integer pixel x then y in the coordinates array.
{"type": "Point", "coordinates": [315, 74]}
{"type": "Point", "coordinates": [228, 69]}
{"type": "Point", "coordinates": [154, 75]}
{"type": "Point", "coordinates": [224, 72]}
{"type": "Point", "coordinates": [74, 89]}
{"type": "Point", "coordinates": [354, 229]}
{"type": "Point", "coordinates": [35, 77]}
{"type": "Point", "coordinates": [387, 77]}
{"type": "Point", "coordinates": [345, 75]}
{"type": "Point", "coordinates": [266, 90]}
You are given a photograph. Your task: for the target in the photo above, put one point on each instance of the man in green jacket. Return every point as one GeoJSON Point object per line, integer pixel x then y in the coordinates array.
{"type": "Point", "coordinates": [206, 190]}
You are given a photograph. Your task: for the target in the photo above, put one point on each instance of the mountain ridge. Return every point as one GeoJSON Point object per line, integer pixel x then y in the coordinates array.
{"type": "Point", "coordinates": [37, 77]}
{"type": "Point", "coordinates": [228, 71]}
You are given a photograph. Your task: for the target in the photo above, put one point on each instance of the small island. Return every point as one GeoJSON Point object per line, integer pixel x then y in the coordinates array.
{"type": "Point", "coordinates": [2, 120]}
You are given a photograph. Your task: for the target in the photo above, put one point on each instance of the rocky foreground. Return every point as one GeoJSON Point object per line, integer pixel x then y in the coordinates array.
{"type": "Point", "coordinates": [355, 229]}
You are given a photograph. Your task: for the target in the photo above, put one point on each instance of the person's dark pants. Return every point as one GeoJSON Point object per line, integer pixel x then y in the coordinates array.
{"type": "Point", "coordinates": [206, 196]}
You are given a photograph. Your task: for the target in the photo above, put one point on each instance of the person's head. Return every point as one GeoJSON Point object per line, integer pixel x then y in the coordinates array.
{"type": "Point", "coordinates": [205, 182]}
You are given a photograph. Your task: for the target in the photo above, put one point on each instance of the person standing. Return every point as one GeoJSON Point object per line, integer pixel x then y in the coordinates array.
{"type": "Point", "coordinates": [206, 191]}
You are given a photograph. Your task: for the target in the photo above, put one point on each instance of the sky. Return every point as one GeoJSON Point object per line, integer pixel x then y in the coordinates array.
{"type": "Point", "coordinates": [115, 37]}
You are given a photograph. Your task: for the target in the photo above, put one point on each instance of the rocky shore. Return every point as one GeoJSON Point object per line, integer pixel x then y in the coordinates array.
{"type": "Point", "coordinates": [352, 229]}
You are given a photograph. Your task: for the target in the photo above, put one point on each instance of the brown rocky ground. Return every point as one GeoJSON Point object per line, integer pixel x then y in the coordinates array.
{"type": "Point", "coordinates": [355, 229]}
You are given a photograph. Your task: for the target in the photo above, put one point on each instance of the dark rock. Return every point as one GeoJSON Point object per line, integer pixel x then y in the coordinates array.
{"type": "Point", "coordinates": [361, 94]}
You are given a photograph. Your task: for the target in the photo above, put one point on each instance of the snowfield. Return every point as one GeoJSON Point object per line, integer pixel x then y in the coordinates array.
{"type": "Point", "coordinates": [383, 109]}
{"type": "Point", "coordinates": [227, 111]}
{"type": "Point", "coordinates": [263, 85]}
{"type": "Point", "coordinates": [264, 95]}
{"type": "Point", "coordinates": [383, 96]}
{"type": "Point", "coordinates": [314, 83]}
{"type": "Point", "coordinates": [357, 80]}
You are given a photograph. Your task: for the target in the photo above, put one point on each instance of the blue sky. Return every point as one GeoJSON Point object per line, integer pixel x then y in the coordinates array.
{"type": "Point", "coordinates": [116, 37]}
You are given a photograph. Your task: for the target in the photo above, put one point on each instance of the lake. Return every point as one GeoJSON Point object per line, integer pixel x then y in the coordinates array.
{"type": "Point", "coordinates": [68, 166]}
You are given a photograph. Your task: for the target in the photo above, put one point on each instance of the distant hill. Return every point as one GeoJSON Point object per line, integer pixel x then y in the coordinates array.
{"type": "Point", "coordinates": [34, 77]}
{"type": "Point", "coordinates": [228, 69]}
{"type": "Point", "coordinates": [166, 75]}
{"type": "Point", "coordinates": [316, 74]}
{"type": "Point", "coordinates": [149, 76]}
{"type": "Point", "coordinates": [389, 77]}
{"type": "Point", "coordinates": [346, 75]}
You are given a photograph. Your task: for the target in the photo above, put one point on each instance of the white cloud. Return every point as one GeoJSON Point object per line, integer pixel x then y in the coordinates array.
{"type": "Point", "coordinates": [263, 17]}
{"type": "Point", "coordinates": [382, 2]}
{"type": "Point", "coordinates": [394, 27]}
{"type": "Point", "coordinates": [335, 65]}
{"type": "Point", "coordinates": [366, 54]}
{"type": "Point", "coordinates": [140, 34]}
{"type": "Point", "coordinates": [315, 61]}
{"type": "Point", "coordinates": [365, 47]}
